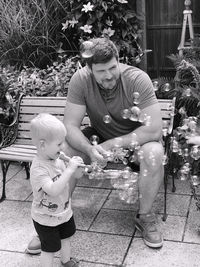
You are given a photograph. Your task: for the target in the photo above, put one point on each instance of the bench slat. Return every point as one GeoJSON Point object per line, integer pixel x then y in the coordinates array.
{"type": "Point", "coordinates": [26, 118]}
{"type": "Point", "coordinates": [24, 142]}
{"type": "Point", "coordinates": [20, 157]}
{"type": "Point", "coordinates": [43, 101]}
{"type": "Point", "coordinates": [44, 109]}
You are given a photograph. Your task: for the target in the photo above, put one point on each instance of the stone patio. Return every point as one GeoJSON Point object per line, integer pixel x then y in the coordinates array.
{"type": "Point", "coordinates": [105, 233]}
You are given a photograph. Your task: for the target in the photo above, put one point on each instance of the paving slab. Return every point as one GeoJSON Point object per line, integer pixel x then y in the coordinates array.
{"type": "Point", "coordinates": [174, 254]}
{"type": "Point", "coordinates": [192, 232]}
{"type": "Point", "coordinates": [93, 264]}
{"type": "Point", "coordinates": [176, 204]}
{"type": "Point", "coordinates": [86, 203]}
{"type": "Point", "coordinates": [99, 183]}
{"type": "Point", "coordinates": [114, 222]}
{"type": "Point", "coordinates": [182, 187]}
{"type": "Point", "coordinates": [14, 259]}
{"type": "Point", "coordinates": [16, 226]}
{"type": "Point", "coordinates": [12, 170]}
{"type": "Point", "coordinates": [18, 188]}
{"type": "Point", "coordinates": [114, 202]}
{"type": "Point", "coordinates": [99, 247]}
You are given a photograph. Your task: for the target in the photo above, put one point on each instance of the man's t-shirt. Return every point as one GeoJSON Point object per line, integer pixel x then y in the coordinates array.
{"type": "Point", "coordinates": [48, 210]}
{"type": "Point", "coordinates": [83, 90]}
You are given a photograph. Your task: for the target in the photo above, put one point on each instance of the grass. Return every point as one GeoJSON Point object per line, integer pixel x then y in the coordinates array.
{"type": "Point", "coordinates": [29, 31]}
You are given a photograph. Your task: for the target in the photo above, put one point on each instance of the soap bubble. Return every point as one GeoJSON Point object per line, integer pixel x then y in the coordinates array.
{"type": "Point", "coordinates": [140, 154]}
{"type": "Point", "coordinates": [136, 96]}
{"type": "Point", "coordinates": [147, 121]}
{"type": "Point", "coordinates": [182, 175]}
{"type": "Point", "coordinates": [133, 158]}
{"type": "Point", "coordinates": [125, 113]}
{"type": "Point", "coordinates": [145, 173]}
{"type": "Point", "coordinates": [135, 113]}
{"type": "Point", "coordinates": [155, 85]}
{"type": "Point", "coordinates": [94, 140]}
{"type": "Point", "coordinates": [195, 180]}
{"type": "Point", "coordinates": [86, 49]}
{"type": "Point", "coordinates": [118, 142]}
{"type": "Point", "coordinates": [194, 152]}
{"type": "Point", "coordinates": [165, 160]}
{"type": "Point", "coordinates": [130, 195]}
{"type": "Point", "coordinates": [187, 92]}
{"type": "Point", "coordinates": [166, 87]}
{"type": "Point", "coordinates": [107, 119]}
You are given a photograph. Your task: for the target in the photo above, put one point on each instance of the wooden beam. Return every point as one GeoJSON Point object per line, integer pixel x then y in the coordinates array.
{"type": "Point", "coordinates": [140, 10]}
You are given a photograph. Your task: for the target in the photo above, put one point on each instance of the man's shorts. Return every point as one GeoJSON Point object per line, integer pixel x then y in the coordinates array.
{"type": "Point", "coordinates": [50, 236]}
{"type": "Point", "coordinates": [89, 131]}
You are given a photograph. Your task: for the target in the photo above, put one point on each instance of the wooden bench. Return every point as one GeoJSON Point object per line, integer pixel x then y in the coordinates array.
{"type": "Point", "coordinates": [16, 143]}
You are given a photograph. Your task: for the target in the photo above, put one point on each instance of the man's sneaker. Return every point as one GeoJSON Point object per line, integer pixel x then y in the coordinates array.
{"type": "Point", "coordinates": [146, 224]}
{"type": "Point", "coordinates": [34, 246]}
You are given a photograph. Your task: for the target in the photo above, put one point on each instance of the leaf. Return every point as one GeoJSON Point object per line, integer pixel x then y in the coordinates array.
{"type": "Point", "coordinates": [124, 32]}
{"type": "Point", "coordinates": [105, 6]}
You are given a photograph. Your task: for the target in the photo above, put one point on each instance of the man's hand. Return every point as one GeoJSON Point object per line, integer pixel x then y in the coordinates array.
{"type": "Point", "coordinates": [97, 153]}
{"type": "Point", "coordinates": [195, 140]}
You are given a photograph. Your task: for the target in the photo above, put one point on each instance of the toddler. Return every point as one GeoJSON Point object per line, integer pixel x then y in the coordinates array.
{"type": "Point", "coordinates": [52, 184]}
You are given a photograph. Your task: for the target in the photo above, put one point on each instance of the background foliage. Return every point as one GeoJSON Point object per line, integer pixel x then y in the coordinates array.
{"type": "Point", "coordinates": [33, 33]}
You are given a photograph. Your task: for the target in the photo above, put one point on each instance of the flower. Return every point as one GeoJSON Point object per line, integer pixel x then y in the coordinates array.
{"type": "Point", "coordinates": [73, 22]}
{"type": "Point", "coordinates": [122, 1]}
{"type": "Point", "coordinates": [87, 7]}
{"type": "Point", "coordinates": [109, 22]}
{"type": "Point", "coordinates": [65, 25]}
{"type": "Point", "coordinates": [86, 28]}
{"type": "Point", "coordinates": [108, 32]}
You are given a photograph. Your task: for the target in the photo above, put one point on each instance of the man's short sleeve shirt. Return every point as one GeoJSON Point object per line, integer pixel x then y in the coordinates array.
{"type": "Point", "coordinates": [83, 90]}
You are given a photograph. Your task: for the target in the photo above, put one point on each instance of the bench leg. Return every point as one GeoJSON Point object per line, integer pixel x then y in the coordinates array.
{"type": "Point", "coordinates": [165, 196]}
{"type": "Point", "coordinates": [26, 166]}
{"type": "Point", "coordinates": [4, 167]}
{"type": "Point", "coordinates": [173, 184]}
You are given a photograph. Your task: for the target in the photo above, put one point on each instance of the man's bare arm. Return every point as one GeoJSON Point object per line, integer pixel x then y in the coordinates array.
{"type": "Point", "coordinates": [144, 133]}
{"type": "Point", "coordinates": [73, 117]}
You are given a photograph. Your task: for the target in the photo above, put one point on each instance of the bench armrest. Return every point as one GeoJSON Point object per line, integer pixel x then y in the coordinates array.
{"type": "Point", "coordinates": [8, 133]}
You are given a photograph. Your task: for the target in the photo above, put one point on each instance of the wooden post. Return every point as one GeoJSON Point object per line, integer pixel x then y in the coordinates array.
{"type": "Point", "coordinates": [187, 16]}
{"type": "Point", "coordinates": [141, 11]}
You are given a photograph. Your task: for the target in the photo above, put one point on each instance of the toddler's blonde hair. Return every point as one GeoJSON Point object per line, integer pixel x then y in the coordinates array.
{"type": "Point", "coordinates": [46, 127]}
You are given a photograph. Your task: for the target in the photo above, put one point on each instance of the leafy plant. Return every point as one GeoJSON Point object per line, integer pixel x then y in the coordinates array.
{"type": "Point", "coordinates": [33, 33]}
{"type": "Point", "coordinates": [52, 81]}
{"type": "Point", "coordinates": [115, 19]}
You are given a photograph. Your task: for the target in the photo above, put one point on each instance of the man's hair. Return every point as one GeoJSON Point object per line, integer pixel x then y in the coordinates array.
{"type": "Point", "coordinates": [46, 127]}
{"type": "Point", "coordinates": [101, 50]}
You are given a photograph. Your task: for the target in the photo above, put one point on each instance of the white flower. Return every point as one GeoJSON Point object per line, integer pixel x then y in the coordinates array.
{"type": "Point", "coordinates": [87, 7]}
{"type": "Point", "coordinates": [109, 22]}
{"type": "Point", "coordinates": [73, 22]}
{"type": "Point", "coordinates": [123, 1]}
{"type": "Point", "coordinates": [65, 25]}
{"type": "Point", "coordinates": [108, 32]}
{"type": "Point", "coordinates": [86, 28]}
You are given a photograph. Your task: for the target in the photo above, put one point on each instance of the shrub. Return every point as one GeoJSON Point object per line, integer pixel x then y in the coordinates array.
{"type": "Point", "coordinates": [113, 18]}
{"type": "Point", "coordinates": [33, 33]}
{"type": "Point", "coordinates": [52, 81]}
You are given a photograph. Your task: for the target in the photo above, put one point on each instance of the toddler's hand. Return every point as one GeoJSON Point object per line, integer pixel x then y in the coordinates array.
{"type": "Point", "coordinates": [75, 162]}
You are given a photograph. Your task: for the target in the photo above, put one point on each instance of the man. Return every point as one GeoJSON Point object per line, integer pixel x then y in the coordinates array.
{"type": "Point", "coordinates": [105, 87]}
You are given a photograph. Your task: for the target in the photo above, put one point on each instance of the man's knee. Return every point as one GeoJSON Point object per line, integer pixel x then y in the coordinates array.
{"type": "Point", "coordinates": [153, 153]}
